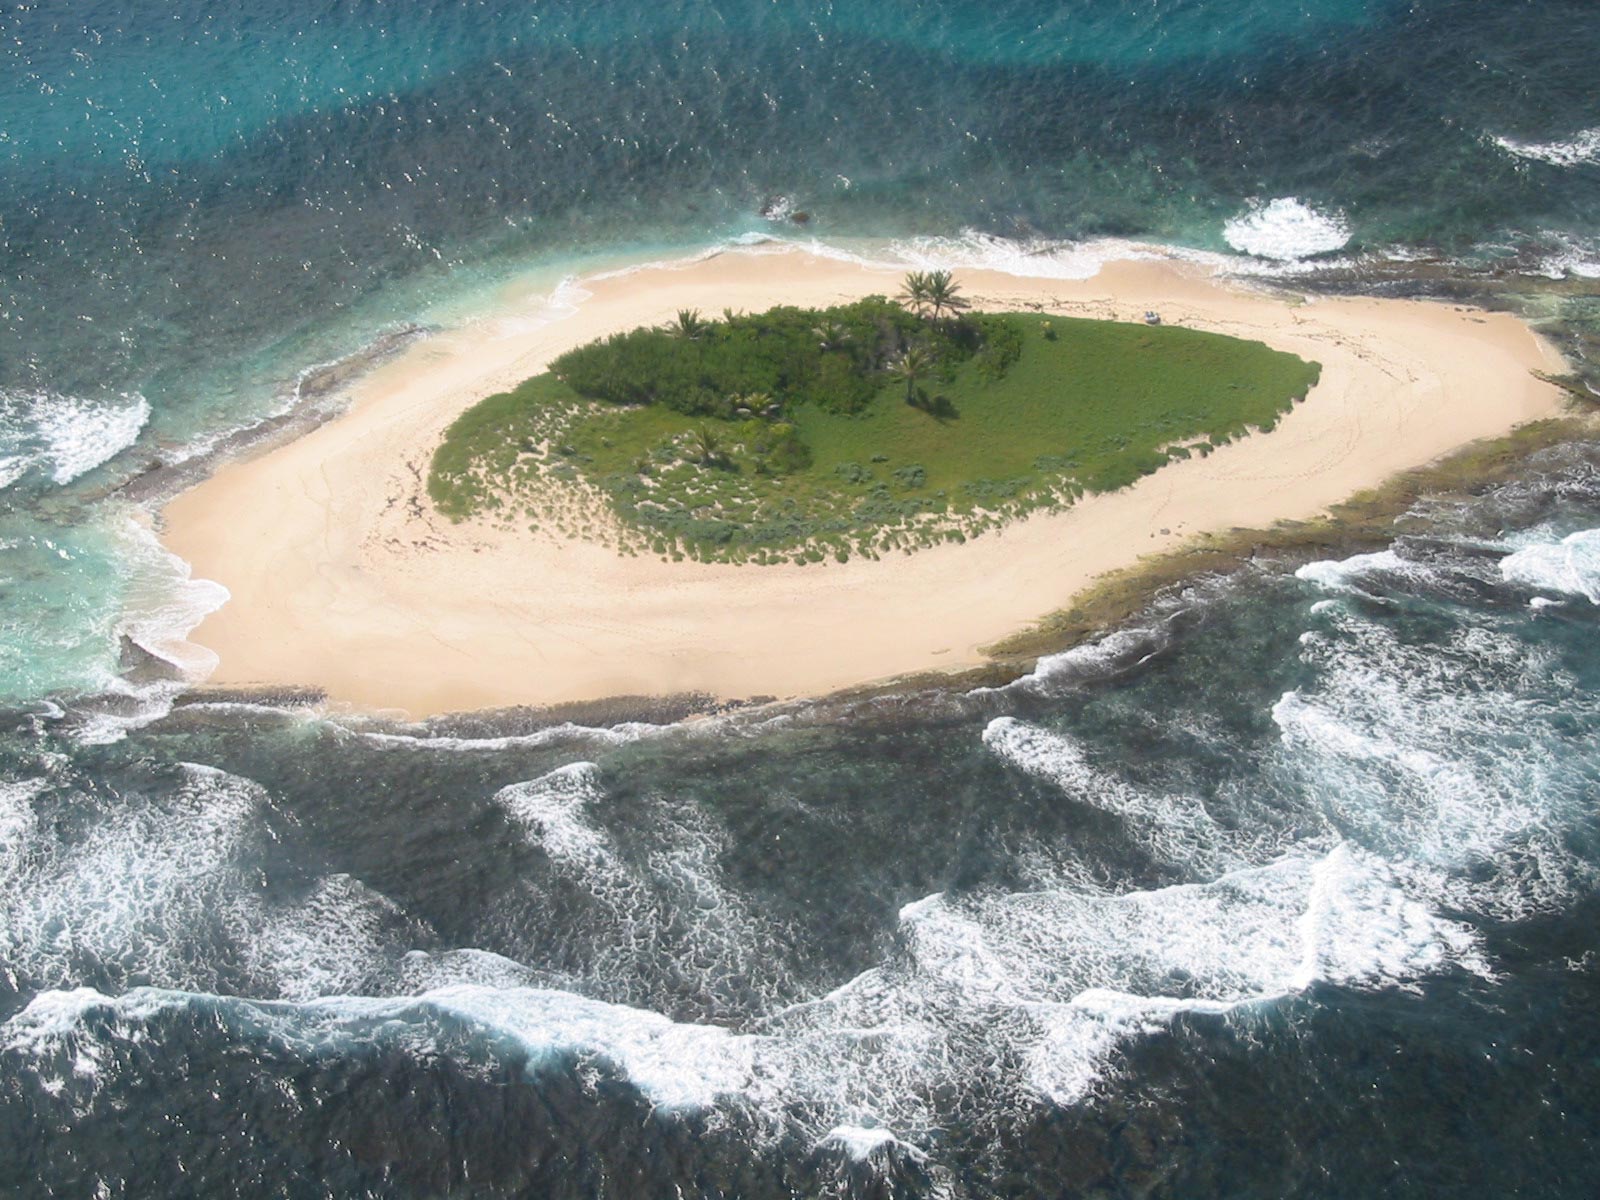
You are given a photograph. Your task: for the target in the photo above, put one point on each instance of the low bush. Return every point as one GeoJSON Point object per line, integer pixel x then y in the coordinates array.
{"type": "Point", "coordinates": [798, 403]}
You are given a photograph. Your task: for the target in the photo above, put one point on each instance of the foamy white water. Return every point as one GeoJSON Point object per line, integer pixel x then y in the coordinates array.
{"type": "Point", "coordinates": [64, 437]}
{"type": "Point", "coordinates": [552, 809]}
{"type": "Point", "coordinates": [1038, 259]}
{"type": "Point", "coordinates": [132, 891]}
{"type": "Point", "coordinates": [1582, 147]}
{"type": "Point", "coordinates": [1570, 567]}
{"type": "Point", "coordinates": [1437, 755]}
{"type": "Point", "coordinates": [341, 936]}
{"type": "Point", "coordinates": [608, 735]}
{"type": "Point", "coordinates": [1287, 229]}
{"type": "Point", "coordinates": [1173, 828]}
{"type": "Point", "coordinates": [860, 1144]}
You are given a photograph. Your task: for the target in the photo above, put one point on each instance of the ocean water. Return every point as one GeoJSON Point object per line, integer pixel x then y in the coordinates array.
{"type": "Point", "coordinates": [1287, 888]}
{"type": "Point", "coordinates": [198, 207]}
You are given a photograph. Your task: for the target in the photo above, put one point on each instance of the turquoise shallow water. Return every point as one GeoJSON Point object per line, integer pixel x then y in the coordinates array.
{"type": "Point", "coordinates": [1288, 889]}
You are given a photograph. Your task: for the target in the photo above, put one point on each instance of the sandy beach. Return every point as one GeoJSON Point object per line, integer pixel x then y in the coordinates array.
{"type": "Point", "coordinates": [343, 578]}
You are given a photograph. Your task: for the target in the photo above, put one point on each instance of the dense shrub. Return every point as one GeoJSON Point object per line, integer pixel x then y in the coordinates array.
{"type": "Point", "coordinates": [1000, 347]}
{"type": "Point", "coordinates": [778, 447]}
{"type": "Point", "coordinates": [913, 476]}
{"type": "Point", "coordinates": [833, 358]}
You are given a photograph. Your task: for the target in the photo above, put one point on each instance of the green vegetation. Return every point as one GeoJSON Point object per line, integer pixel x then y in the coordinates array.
{"type": "Point", "coordinates": [796, 434]}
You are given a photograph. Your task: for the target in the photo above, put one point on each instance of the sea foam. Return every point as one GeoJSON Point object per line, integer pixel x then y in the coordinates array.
{"type": "Point", "coordinates": [1174, 828]}
{"type": "Point", "coordinates": [340, 937]}
{"type": "Point", "coordinates": [161, 602]}
{"type": "Point", "coordinates": [1582, 147]}
{"type": "Point", "coordinates": [605, 735]}
{"type": "Point", "coordinates": [861, 1144]}
{"type": "Point", "coordinates": [64, 437]}
{"type": "Point", "coordinates": [1345, 575]}
{"type": "Point", "coordinates": [675, 1065]}
{"type": "Point", "coordinates": [1287, 229]}
{"type": "Point", "coordinates": [1570, 566]}
{"type": "Point", "coordinates": [1037, 258]}
{"type": "Point", "coordinates": [130, 894]}
{"type": "Point", "coordinates": [990, 993]}
{"type": "Point", "coordinates": [552, 807]}
{"type": "Point", "coordinates": [1438, 756]}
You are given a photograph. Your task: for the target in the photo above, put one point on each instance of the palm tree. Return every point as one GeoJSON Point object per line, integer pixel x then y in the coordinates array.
{"type": "Point", "coordinates": [705, 445]}
{"type": "Point", "coordinates": [831, 335]}
{"type": "Point", "coordinates": [942, 294]}
{"type": "Point", "coordinates": [688, 324]}
{"type": "Point", "coordinates": [915, 293]}
{"type": "Point", "coordinates": [914, 364]}
{"type": "Point", "coordinates": [756, 402]}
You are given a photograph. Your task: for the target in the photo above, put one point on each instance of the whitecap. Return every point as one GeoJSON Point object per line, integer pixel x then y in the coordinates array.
{"type": "Point", "coordinates": [64, 436]}
{"type": "Point", "coordinates": [868, 1160]}
{"type": "Point", "coordinates": [552, 807]}
{"type": "Point", "coordinates": [421, 971]}
{"type": "Point", "coordinates": [1439, 757]}
{"type": "Point", "coordinates": [1253, 934]}
{"type": "Point", "coordinates": [129, 894]}
{"type": "Point", "coordinates": [1174, 828]}
{"type": "Point", "coordinates": [675, 1065]}
{"type": "Point", "coordinates": [1034, 989]}
{"type": "Point", "coordinates": [1036, 258]}
{"type": "Point", "coordinates": [1286, 228]}
{"type": "Point", "coordinates": [613, 735]}
{"type": "Point", "coordinates": [55, 1024]}
{"type": "Point", "coordinates": [17, 823]}
{"type": "Point", "coordinates": [861, 1144]}
{"type": "Point", "coordinates": [333, 941]}
{"type": "Point", "coordinates": [1080, 972]}
{"type": "Point", "coordinates": [12, 468]}
{"type": "Point", "coordinates": [1582, 147]}
{"type": "Point", "coordinates": [1570, 566]}
{"type": "Point", "coordinates": [1571, 256]}
{"type": "Point", "coordinates": [1341, 574]}
{"type": "Point", "coordinates": [1112, 654]}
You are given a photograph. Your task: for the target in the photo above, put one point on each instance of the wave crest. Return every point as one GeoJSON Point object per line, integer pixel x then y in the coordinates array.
{"type": "Point", "coordinates": [1287, 229]}
{"type": "Point", "coordinates": [64, 437]}
{"type": "Point", "coordinates": [1582, 147]}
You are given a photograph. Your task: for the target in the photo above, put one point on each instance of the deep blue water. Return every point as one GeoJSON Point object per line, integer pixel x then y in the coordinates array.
{"type": "Point", "coordinates": [1288, 889]}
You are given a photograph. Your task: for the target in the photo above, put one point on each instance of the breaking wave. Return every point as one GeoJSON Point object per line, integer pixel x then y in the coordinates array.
{"type": "Point", "coordinates": [1443, 754]}
{"type": "Point", "coordinates": [1287, 229]}
{"type": "Point", "coordinates": [64, 437]}
{"type": "Point", "coordinates": [1569, 567]}
{"type": "Point", "coordinates": [1582, 147]}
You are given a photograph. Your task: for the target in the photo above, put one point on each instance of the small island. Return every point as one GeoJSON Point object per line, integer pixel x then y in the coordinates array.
{"type": "Point", "coordinates": [798, 434]}
{"type": "Point", "coordinates": [387, 556]}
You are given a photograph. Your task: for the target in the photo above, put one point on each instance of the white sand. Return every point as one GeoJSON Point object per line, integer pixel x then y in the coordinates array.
{"type": "Point", "coordinates": [343, 578]}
